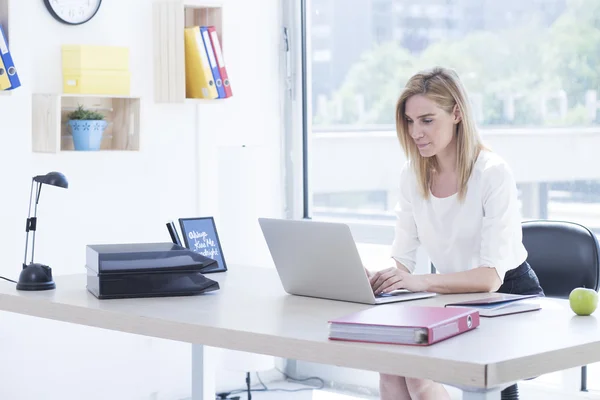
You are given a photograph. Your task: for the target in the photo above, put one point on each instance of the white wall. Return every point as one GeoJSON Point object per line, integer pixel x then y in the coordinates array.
{"type": "Point", "coordinates": [128, 196]}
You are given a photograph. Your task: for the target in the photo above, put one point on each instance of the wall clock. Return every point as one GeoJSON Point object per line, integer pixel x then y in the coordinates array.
{"type": "Point", "coordinates": [73, 12]}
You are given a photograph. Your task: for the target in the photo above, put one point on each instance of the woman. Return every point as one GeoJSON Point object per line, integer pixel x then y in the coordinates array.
{"type": "Point", "coordinates": [458, 200]}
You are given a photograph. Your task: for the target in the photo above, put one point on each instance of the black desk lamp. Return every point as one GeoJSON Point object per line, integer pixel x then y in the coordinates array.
{"type": "Point", "coordinates": [35, 276]}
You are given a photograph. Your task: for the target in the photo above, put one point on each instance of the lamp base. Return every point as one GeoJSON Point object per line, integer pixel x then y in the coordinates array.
{"type": "Point", "coordinates": [36, 277]}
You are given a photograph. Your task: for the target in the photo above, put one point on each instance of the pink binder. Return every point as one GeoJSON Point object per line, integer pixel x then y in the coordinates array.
{"type": "Point", "coordinates": [214, 39]}
{"type": "Point", "coordinates": [398, 324]}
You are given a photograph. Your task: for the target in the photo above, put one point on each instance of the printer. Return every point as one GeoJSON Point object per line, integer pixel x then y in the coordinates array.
{"type": "Point", "coordinates": [146, 270]}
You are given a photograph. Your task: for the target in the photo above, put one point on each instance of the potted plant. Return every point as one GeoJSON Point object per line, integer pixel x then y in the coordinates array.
{"type": "Point", "coordinates": [87, 127]}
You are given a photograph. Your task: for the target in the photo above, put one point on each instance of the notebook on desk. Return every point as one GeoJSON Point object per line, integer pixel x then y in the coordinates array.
{"type": "Point", "coordinates": [500, 304]}
{"type": "Point", "coordinates": [419, 325]}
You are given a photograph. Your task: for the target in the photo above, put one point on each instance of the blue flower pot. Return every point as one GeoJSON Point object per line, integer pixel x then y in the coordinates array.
{"type": "Point", "coordinates": [87, 134]}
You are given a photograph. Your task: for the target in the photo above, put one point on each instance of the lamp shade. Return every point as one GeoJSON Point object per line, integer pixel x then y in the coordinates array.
{"type": "Point", "coordinates": [53, 178]}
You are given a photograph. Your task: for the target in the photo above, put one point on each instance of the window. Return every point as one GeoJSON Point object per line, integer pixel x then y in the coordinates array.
{"type": "Point", "coordinates": [530, 67]}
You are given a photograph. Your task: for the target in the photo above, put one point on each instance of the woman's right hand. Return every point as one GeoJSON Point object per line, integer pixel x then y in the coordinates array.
{"type": "Point", "coordinates": [382, 280]}
{"type": "Point", "coordinates": [395, 278]}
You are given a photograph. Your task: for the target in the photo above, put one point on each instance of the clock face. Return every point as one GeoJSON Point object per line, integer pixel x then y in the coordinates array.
{"type": "Point", "coordinates": [73, 12]}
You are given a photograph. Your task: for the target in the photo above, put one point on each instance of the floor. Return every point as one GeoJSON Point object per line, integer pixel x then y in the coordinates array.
{"type": "Point", "coordinates": [293, 391]}
{"type": "Point", "coordinates": [298, 395]}
{"type": "Point", "coordinates": [314, 395]}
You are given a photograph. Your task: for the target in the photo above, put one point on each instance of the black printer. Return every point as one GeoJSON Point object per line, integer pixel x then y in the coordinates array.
{"type": "Point", "coordinates": [146, 270]}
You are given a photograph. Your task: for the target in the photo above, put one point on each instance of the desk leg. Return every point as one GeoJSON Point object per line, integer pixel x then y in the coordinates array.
{"type": "Point", "coordinates": [481, 395]}
{"type": "Point", "coordinates": [203, 374]}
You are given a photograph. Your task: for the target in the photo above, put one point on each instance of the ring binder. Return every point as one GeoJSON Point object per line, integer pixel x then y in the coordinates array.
{"type": "Point", "coordinates": [9, 78]}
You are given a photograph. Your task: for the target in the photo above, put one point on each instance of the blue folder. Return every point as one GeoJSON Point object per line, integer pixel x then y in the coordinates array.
{"type": "Point", "coordinates": [9, 64]}
{"type": "Point", "coordinates": [212, 60]}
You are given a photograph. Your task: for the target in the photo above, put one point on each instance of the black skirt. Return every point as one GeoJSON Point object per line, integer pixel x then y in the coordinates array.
{"type": "Point", "coordinates": [521, 280]}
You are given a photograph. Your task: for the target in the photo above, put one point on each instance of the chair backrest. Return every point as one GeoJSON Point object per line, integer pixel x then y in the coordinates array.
{"type": "Point", "coordinates": [564, 255]}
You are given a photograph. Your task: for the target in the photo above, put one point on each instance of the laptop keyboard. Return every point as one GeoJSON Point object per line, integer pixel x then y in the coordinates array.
{"type": "Point", "coordinates": [393, 293]}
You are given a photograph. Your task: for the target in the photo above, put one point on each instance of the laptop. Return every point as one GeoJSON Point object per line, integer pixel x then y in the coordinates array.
{"type": "Point", "coordinates": [320, 259]}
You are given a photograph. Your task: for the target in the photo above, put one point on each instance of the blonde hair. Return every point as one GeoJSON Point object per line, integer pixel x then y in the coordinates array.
{"type": "Point", "coordinates": [443, 86]}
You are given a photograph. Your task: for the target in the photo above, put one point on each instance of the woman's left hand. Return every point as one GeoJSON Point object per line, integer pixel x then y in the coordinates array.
{"type": "Point", "coordinates": [393, 278]}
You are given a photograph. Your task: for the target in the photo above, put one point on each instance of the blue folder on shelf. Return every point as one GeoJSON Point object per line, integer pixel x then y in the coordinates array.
{"type": "Point", "coordinates": [212, 60]}
{"type": "Point", "coordinates": [8, 63]}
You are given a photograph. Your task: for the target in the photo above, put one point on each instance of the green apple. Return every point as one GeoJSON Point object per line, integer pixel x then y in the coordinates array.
{"type": "Point", "coordinates": [583, 301]}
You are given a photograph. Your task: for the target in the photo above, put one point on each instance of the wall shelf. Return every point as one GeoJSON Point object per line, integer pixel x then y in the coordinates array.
{"type": "Point", "coordinates": [4, 18]}
{"type": "Point", "coordinates": [170, 19]}
{"type": "Point", "coordinates": [50, 131]}
{"type": "Point", "coordinates": [4, 13]}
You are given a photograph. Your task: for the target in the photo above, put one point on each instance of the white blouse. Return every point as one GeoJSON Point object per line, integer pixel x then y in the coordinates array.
{"type": "Point", "coordinates": [485, 230]}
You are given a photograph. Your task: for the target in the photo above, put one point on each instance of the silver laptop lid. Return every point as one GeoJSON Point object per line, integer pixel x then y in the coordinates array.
{"type": "Point", "coordinates": [317, 259]}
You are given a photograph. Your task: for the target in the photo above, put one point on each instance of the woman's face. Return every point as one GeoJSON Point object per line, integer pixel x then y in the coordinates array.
{"type": "Point", "coordinates": [430, 127]}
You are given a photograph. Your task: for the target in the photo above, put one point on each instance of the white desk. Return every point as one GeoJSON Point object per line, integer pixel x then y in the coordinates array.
{"type": "Point", "coordinates": [252, 313]}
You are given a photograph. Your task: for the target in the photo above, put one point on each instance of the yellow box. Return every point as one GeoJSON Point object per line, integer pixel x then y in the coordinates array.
{"type": "Point", "coordinates": [97, 82]}
{"type": "Point", "coordinates": [84, 57]}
